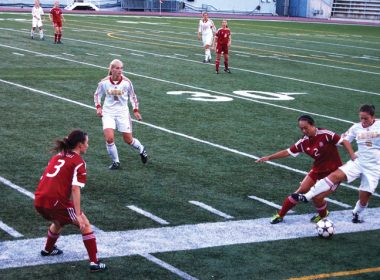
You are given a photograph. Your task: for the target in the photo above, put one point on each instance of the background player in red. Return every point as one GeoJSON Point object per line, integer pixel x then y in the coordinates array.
{"type": "Point", "coordinates": [56, 17]}
{"type": "Point", "coordinates": [223, 42]}
{"type": "Point", "coordinates": [57, 197]}
{"type": "Point", "coordinates": [321, 145]}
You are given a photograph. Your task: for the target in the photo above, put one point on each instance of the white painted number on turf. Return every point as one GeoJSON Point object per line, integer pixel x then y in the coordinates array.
{"type": "Point", "coordinates": [201, 96]}
{"type": "Point", "coordinates": [255, 94]}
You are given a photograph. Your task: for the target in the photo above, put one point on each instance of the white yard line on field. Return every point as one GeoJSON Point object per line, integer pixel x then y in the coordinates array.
{"type": "Point", "coordinates": [148, 215]}
{"type": "Point", "coordinates": [177, 133]}
{"type": "Point", "coordinates": [11, 231]}
{"type": "Point", "coordinates": [211, 209]}
{"type": "Point", "coordinates": [21, 253]}
{"type": "Point", "coordinates": [169, 267]}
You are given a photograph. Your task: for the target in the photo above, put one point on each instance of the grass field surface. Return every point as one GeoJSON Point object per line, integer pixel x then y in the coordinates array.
{"type": "Point", "coordinates": [203, 133]}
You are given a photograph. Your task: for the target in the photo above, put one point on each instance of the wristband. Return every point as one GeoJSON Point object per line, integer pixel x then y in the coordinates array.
{"type": "Point", "coordinates": [135, 110]}
{"type": "Point", "coordinates": [98, 106]}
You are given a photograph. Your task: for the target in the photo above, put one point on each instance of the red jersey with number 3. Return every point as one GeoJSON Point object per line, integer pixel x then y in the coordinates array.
{"type": "Point", "coordinates": [322, 148]}
{"type": "Point", "coordinates": [56, 14]}
{"type": "Point", "coordinates": [223, 36]}
{"type": "Point", "coordinates": [55, 187]}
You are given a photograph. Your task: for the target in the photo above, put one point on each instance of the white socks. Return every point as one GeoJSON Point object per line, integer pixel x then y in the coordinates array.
{"type": "Point", "coordinates": [359, 208]}
{"type": "Point", "coordinates": [137, 145]}
{"type": "Point", "coordinates": [112, 151]}
{"type": "Point", "coordinates": [207, 54]}
{"type": "Point", "coordinates": [320, 187]}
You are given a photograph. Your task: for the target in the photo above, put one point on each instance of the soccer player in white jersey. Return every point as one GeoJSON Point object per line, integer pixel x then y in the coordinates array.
{"type": "Point", "coordinates": [207, 29]}
{"type": "Point", "coordinates": [117, 90]}
{"type": "Point", "coordinates": [37, 14]}
{"type": "Point", "coordinates": [366, 166]}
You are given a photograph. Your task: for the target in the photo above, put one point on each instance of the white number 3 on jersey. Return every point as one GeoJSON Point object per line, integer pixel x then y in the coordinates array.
{"type": "Point", "coordinates": [57, 168]}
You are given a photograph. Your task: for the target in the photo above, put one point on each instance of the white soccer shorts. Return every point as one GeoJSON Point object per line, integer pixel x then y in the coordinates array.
{"type": "Point", "coordinates": [36, 23]}
{"type": "Point", "coordinates": [369, 177]}
{"type": "Point", "coordinates": [122, 122]}
{"type": "Point", "coordinates": [207, 40]}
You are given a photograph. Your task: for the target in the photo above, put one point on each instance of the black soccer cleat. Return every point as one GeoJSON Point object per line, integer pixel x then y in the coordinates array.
{"type": "Point", "coordinates": [299, 197]}
{"type": "Point", "coordinates": [144, 156]}
{"type": "Point", "coordinates": [356, 219]}
{"type": "Point", "coordinates": [217, 71]}
{"type": "Point", "coordinates": [227, 70]}
{"type": "Point", "coordinates": [114, 165]}
{"type": "Point", "coordinates": [96, 267]}
{"type": "Point", "coordinates": [209, 60]}
{"type": "Point", "coordinates": [54, 252]}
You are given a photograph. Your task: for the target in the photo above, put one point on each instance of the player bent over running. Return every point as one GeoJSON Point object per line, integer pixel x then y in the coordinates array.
{"type": "Point", "coordinates": [57, 197]}
{"type": "Point", "coordinates": [321, 145]}
{"type": "Point", "coordinates": [366, 166]}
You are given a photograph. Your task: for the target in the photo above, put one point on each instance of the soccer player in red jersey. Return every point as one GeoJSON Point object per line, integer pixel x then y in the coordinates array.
{"type": "Point", "coordinates": [223, 42]}
{"type": "Point", "coordinates": [56, 17]}
{"type": "Point", "coordinates": [321, 145]}
{"type": "Point", "coordinates": [57, 198]}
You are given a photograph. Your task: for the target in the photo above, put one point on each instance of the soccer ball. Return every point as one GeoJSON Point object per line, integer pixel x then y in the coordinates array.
{"type": "Point", "coordinates": [325, 228]}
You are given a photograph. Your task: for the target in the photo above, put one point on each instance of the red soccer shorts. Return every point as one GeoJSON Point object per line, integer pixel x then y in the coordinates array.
{"type": "Point", "coordinates": [63, 216]}
{"type": "Point", "coordinates": [57, 24]}
{"type": "Point", "coordinates": [222, 49]}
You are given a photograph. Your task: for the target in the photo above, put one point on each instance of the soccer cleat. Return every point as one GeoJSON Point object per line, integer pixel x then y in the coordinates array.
{"type": "Point", "coordinates": [317, 218]}
{"type": "Point", "coordinates": [209, 60]}
{"type": "Point", "coordinates": [53, 252]}
{"type": "Point", "coordinates": [59, 42]}
{"type": "Point", "coordinates": [276, 219]}
{"type": "Point", "coordinates": [114, 165]}
{"type": "Point", "coordinates": [42, 38]}
{"type": "Point", "coordinates": [95, 267]}
{"type": "Point", "coordinates": [144, 156]}
{"type": "Point", "coordinates": [217, 71]}
{"type": "Point", "coordinates": [32, 37]}
{"type": "Point", "coordinates": [227, 70]}
{"type": "Point", "coordinates": [356, 219]}
{"type": "Point", "coordinates": [204, 61]}
{"type": "Point", "coordinates": [299, 197]}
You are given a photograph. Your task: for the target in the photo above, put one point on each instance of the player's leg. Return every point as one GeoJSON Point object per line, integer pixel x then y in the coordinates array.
{"type": "Point", "coordinates": [290, 202]}
{"type": "Point", "coordinates": [89, 241]}
{"type": "Point", "coordinates": [321, 205]}
{"type": "Point", "coordinates": [109, 125]}
{"type": "Point", "coordinates": [207, 53]}
{"type": "Point", "coordinates": [124, 124]}
{"type": "Point", "coordinates": [217, 60]}
{"type": "Point", "coordinates": [368, 185]}
{"type": "Point", "coordinates": [56, 30]}
{"type": "Point", "coordinates": [54, 232]}
{"type": "Point", "coordinates": [226, 68]}
{"type": "Point", "coordinates": [32, 30]}
{"type": "Point", "coordinates": [59, 35]}
{"type": "Point", "coordinates": [41, 30]}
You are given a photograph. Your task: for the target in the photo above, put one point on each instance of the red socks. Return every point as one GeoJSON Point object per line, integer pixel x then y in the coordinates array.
{"type": "Point", "coordinates": [89, 241]}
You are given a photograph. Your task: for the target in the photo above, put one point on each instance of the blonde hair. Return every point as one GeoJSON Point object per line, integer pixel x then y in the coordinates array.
{"type": "Point", "coordinates": [113, 64]}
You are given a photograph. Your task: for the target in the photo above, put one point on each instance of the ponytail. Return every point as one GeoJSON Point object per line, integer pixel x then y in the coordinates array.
{"type": "Point", "coordinates": [68, 143]}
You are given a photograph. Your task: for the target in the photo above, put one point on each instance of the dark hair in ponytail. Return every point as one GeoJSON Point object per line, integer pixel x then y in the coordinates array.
{"type": "Point", "coordinates": [307, 119]}
{"type": "Point", "coordinates": [68, 143]}
{"type": "Point", "coordinates": [370, 109]}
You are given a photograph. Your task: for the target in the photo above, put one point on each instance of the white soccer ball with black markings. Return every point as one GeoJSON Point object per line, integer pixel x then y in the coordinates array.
{"type": "Point", "coordinates": [325, 228]}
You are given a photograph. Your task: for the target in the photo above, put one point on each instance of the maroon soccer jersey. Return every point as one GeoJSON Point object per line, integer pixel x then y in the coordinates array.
{"type": "Point", "coordinates": [322, 148]}
{"type": "Point", "coordinates": [223, 36]}
{"type": "Point", "coordinates": [56, 14]}
{"type": "Point", "coordinates": [55, 187]}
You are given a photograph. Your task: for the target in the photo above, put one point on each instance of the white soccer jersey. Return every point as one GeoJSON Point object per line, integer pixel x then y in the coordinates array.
{"type": "Point", "coordinates": [368, 140]}
{"type": "Point", "coordinates": [117, 94]}
{"type": "Point", "coordinates": [37, 13]}
{"type": "Point", "coordinates": [206, 28]}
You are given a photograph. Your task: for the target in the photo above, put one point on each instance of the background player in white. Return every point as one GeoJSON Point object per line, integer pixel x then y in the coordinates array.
{"type": "Point", "coordinates": [206, 28]}
{"type": "Point", "coordinates": [117, 90]}
{"type": "Point", "coordinates": [37, 14]}
{"type": "Point", "coordinates": [366, 166]}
